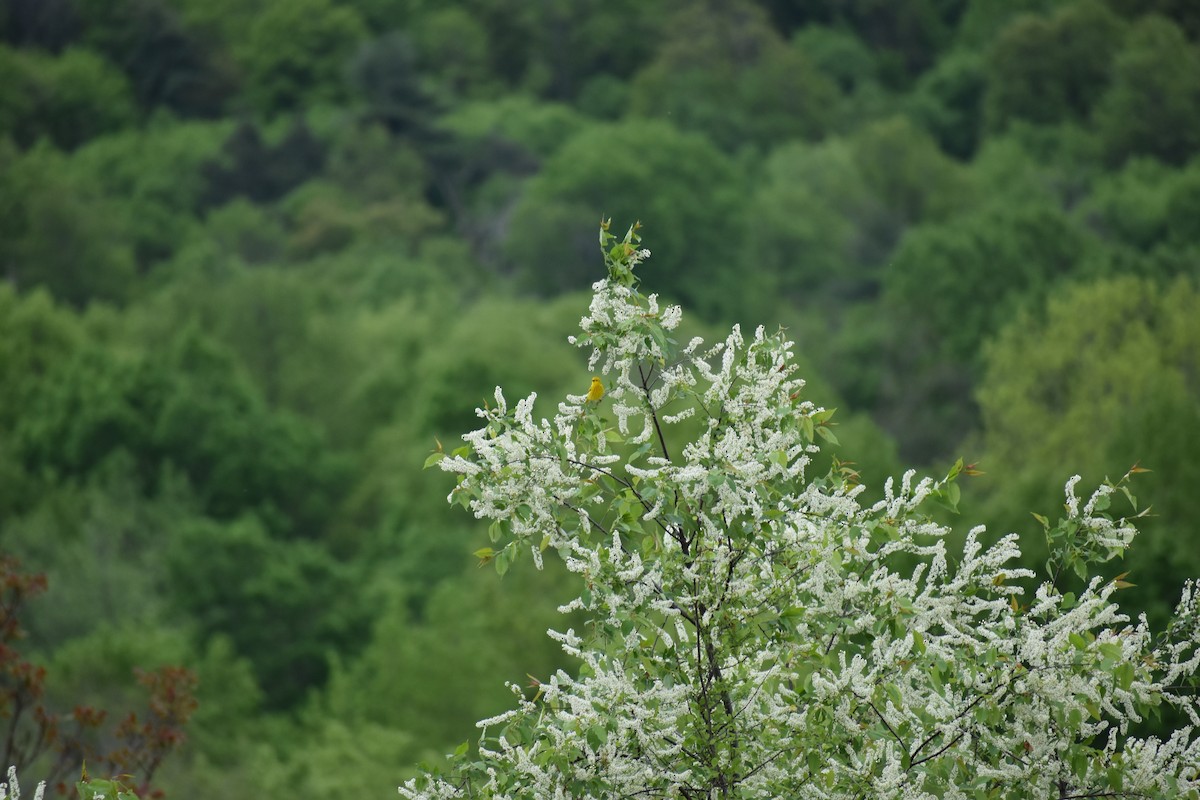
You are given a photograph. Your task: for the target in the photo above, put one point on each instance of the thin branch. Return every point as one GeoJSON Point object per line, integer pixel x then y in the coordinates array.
{"type": "Point", "coordinates": [662, 442]}
{"type": "Point", "coordinates": [886, 724]}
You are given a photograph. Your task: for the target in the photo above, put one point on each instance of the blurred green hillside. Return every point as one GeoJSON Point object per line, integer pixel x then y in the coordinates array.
{"type": "Point", "coordinates": [258, 256]}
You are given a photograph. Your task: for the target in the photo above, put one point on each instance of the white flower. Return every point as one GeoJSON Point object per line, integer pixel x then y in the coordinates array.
{"type": "Point", "coordinates": [759, 632]}
{"type": "Point", "coordinates": [12, 789]}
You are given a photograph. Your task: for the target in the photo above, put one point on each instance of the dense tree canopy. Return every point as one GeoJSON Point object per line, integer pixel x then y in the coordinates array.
{"type": "Point", "coordinates": [259, 257]}
{"type": "Point", "coordinates": [1090, 383]}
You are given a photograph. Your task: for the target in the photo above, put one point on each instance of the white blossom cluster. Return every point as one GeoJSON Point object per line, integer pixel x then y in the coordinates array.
{"type": "Point", "coordinates": [757, 632]}
{"type": "Point", "coordinates": [12, 789]}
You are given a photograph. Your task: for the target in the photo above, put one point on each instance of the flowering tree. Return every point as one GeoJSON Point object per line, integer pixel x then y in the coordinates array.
{"type": "Point", "coordinates": [754, 631]}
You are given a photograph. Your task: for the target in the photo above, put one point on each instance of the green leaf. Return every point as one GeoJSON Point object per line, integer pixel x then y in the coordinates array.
{"type": "Point", "coordinates": [504, 559]}
{"type": "Point", "coordinates": [1080, 567]}
{"type": "Point", "coordinates": [824, 415]}
{"type": "Point", "coordinates": [1079, 763]}
{"type": "Point", "coordinates": [1074, 718]}
{"type": "Point", "coordinates": [433, 458]}
{"type": "Point", "coordinates": [953, 494]}
{"type": "Point", "coordinates": [597, 735]}
{"type": "Point", "coordinates": [1124, 674]}
{"type": "Point", "coordinates": [1130, 497]}
{"type": "Point", "coordinates": [827, 435]}
{"type": "Point", "coordinates": [955, 470]}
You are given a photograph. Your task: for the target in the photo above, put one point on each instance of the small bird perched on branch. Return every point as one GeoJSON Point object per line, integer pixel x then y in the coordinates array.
{"type": "Point", "coordinates": [596, 391]}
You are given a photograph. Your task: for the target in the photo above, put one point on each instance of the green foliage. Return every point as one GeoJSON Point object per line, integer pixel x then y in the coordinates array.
{"type": "Point", "coordinates": [907, 173]}
{"type": "Point", "coordinates": [1153, 106]}
{"type": "Point", "coordinates": [96, 404]}
{"type": "Point", "coordinates": [227, 21]}
{"type": "Point", "coordinates": [552, 48]}
{"type": "Point", "coordinates": [1130, 206]}
{"type": "Point", "coordinates": [1047, 69]}
{"type": "Point", "coordinates": [384, 73]}
{"type": "Point", "coordinates": [35, 334]}
{"type": "Point", "coordinates": [1105, 377]}
{"type": "Point", "coordinates": [482, 346]}
{"type": "Point", "coordinates": [982, 21]}
{"type": "Point", "coordinates": [1037, 164]}
{"type": "Point", "coordinates": [621, 170]}
{"type": "Point", "coordinates": [910, 33]}
{"type": "Point", "coordinates": [230, 701]}
{"type": "Point", "coordinates": [295, 53]}
{"type": "Point", "coordinates": [825, 221]}
{"type": "Point", "coordinates": [248, 166]}
{"type": "Point", "coordinates": [235, 580]}
{"type": "Point", "coordinates": [51, 24]}
{"type": "Point", "coordinates": [815, 226]}
{"type": "Point", "coordinates": [241, 233]}
{"type": "Point", "coordinates": [100, 543]}
{"type": "Point", "coordinates": [167, 63]}
{"type": "Point", "coordinates": [727, 74]}
{"type": "Point", "coordinates": [1012, 256]}
{"type": "Point", "coordinates": [154, 180]}
{"type": "Point", "coordinates": [1182, 12]}
{"type": "Point", "coordinates": [372, 192]}
{"type": "Point", "coordinates": [100, 789]}
{"type": "Point", "coordinates": [916, 366]}
{"type": "Point", "coordinates": [839, 54]}
{"type": "Point", "coordinates": [905, 35]}
{"type": "Point", "coordinates": [454, 53]}
{"type": "Point", "coordinates": [824, 218]}
{"type": "Point", "coordinates": [492, 631]}
{"type": "Point", "coordinates": [1183, 206]}
{"type": "Point", "coordinates": [539, 127]}
{"type": "Point", "coordinates": [98, 667]}
{"type": "Point", "coordinates": [68, 99]}
{"type": "Point", "coordinates": [56, 231]}
{"type": "Point", "coordinates": [948, 101]}
{"type": "Point", "coordinates": [255, 255]}
{"type": "Point", "coordinates": [1089, 368]}
{"type": "Point", "coordinates": [335, 760]}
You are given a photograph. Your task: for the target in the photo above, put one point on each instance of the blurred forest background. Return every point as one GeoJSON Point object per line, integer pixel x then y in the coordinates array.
{"type": "Point", "coordinates": [258, 254]}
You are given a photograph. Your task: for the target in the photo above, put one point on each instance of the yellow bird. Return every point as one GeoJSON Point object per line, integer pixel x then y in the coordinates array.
{"type": "Point", "coordinates": [596, 391]}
